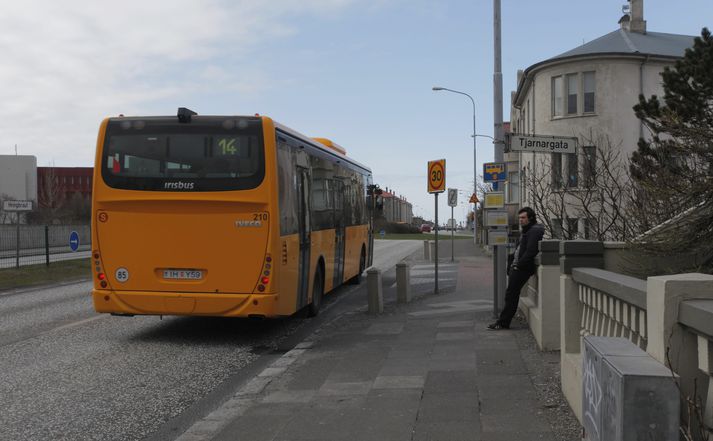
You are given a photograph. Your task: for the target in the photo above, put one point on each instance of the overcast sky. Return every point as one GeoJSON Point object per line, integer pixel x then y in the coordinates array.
{"type": "Point", "coordinates": [358, 72]}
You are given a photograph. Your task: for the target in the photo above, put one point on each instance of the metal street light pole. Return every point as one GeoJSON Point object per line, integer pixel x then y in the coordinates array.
{"type": "Point", "coordinates": [475, 161]}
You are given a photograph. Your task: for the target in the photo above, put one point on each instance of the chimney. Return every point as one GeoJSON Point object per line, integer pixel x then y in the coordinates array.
{"type": "Point", "coordinates": [633, 21]}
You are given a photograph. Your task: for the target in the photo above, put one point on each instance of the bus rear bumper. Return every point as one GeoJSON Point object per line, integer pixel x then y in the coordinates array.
{"type": "Point", "coordinates": [166, 303]}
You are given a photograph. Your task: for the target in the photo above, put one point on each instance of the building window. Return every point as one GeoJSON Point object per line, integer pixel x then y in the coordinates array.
{"type": "Point", "coordinates": [589, 229]}
{"type": "Point", "coordinates": [572, 92]}
{"type": "Point", "coordinates": [572, 228]}
{"type": "Point", "coordinates": [556, 167]}
{"type": "Point", "coordinates": [572, 170]}
{"type": "Point", "coordinates": [588, 87]}
{"type": "Point", "coordinates": [557, 96]}
{"type": "Point", "coordinates": [557, 229]}
{"type": "Point", "coordinates": [589, 168]}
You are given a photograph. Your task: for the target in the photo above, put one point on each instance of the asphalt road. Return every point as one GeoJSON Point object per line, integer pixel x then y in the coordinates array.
{"type": "Point", "coordinates": [69, 373]}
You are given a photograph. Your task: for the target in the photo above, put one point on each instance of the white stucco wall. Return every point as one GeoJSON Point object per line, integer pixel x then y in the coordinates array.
{"type": "Point", "coordinates": [618, 83]}
{"type": "Point", "coordinates": [18, 177]}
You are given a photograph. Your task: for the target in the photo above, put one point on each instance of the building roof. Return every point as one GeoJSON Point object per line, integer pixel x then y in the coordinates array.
{"type": "Point", "coordinates": [624, 42]}
{"type": "Point", "coordinates": [618, 43]}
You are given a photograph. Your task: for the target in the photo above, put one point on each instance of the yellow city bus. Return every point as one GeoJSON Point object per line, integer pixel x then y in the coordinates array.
{"type": "Point", "coordinates": [234, 216]}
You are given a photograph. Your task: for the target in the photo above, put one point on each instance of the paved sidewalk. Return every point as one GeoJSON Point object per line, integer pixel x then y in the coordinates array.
{"type": "Point", "coordinates": [428, 370]}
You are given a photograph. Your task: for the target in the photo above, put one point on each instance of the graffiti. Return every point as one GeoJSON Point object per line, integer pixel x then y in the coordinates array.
{"type": "Point", "coordinates": [592, 399]}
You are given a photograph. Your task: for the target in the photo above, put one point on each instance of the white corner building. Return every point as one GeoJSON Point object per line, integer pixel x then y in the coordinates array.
{"type": "Point", "coordinates": [590, 89]}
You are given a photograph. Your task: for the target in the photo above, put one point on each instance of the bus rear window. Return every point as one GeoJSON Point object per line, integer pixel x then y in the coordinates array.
{"type": "Point", "coordinates": [208, 154]}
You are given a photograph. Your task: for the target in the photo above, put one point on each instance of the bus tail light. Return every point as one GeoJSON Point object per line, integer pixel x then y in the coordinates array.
{"type": "Point", "coordinates": [98, 269]}
{"type": "Point", "coordinates": [264, 280]}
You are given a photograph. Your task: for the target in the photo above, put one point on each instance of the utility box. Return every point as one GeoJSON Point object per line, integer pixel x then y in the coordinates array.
{"type": "Point", "coordinates": [626, 394]}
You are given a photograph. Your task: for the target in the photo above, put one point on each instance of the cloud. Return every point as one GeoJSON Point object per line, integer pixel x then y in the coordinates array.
{"type": "Point", "coordinates": [66, 65]}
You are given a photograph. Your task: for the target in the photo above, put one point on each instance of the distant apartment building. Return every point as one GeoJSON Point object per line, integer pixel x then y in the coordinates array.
{"type": "Point", "coordinates": [396, 208]}
{"type": "Point", "coordinates": [588, 93]}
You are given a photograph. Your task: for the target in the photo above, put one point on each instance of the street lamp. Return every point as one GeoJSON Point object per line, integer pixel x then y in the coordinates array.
{"type": "Point", "coordinates": [475, 162]}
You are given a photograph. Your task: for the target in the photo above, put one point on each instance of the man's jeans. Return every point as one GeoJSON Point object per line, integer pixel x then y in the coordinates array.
{"type": "Point", "coordinates": [516, 280]}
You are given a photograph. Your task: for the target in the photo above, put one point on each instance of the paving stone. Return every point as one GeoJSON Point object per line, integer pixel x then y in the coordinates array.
{"type": "Point", "coordinates": [499, 362]}
{"type": "Point", "coordinates": [505, 387]}
{"type": "Point", "coordinates": [448, 431]}
{"type": "Point", "coordinates": [400, 367]}
{"type": "Point", "coordinates": [457, 399]}
{"type": "Point", "coordinates": [290, 396]}
{"type": "Point", "coordinates": [312, 374]}
{"type": "Point", "coordinates": [399, 382]}
{"type": "Point", "coordinates": [452, 336]}
{"type": "Point", "coordinates": [254, 428]}
{"type": "Point", "coordinates": [354, 388]}
{"type": "Point", "coordinates": [446, 364]}
{"type": "Point", "coordinates": [457, 324]}
{"type": "Point", "coordinates": [385, 328]}
{"type": "Point", "coordinates": [451, 381]}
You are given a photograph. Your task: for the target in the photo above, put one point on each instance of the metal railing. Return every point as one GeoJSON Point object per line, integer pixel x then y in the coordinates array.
{"type": "Point", "coordinates": [42, 244]}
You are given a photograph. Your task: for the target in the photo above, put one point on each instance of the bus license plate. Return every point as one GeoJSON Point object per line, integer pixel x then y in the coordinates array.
{"type": "Point", "coordinates": [183, 274]}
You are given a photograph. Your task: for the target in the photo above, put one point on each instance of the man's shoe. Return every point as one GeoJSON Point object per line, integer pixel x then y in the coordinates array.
{"type": "Point", "coordinates": [497, 326]}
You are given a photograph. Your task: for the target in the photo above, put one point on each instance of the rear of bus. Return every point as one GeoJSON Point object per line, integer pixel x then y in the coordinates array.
{"type": "Point", "coordinates": [183, 217]}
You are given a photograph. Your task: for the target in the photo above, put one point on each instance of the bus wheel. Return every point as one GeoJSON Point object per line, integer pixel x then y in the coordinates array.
{"type": "Point", "coordinates": [317, 294]}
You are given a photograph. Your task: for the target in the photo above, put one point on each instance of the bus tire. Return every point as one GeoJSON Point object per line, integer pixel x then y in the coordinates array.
{"type": "Point", "coordinates": [317, 293]}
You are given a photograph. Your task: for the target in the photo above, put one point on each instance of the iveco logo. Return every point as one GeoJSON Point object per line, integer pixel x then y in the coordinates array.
{"type": "Point", "coordinates": [248, 223]}
{"type": "Point", "coordinates": [178, 185]}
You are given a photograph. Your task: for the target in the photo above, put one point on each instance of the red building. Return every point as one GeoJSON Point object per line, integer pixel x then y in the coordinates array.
{"type": "Point", "coordinates": [55, 185]}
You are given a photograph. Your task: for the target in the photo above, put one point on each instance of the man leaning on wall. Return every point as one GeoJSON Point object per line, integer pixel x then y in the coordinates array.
{"type": "Point", "coordinates": [522, 266]}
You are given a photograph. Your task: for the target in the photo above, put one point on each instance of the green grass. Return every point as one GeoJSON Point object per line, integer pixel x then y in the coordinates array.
{"type": "Point", "coordinates": [30, 275]}
{"type": "Point", "coordinates": [419, 236]}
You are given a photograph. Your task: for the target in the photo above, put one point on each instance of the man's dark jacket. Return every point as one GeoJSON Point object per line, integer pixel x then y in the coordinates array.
{"type": "Point", "coordinates": [531, 234]}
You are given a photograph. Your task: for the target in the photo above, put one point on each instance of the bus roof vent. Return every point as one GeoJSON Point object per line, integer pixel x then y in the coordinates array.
{"type": "Point", "coordinates": [185, 114]}
{"type": "Point", "coordinates": [332, 145]}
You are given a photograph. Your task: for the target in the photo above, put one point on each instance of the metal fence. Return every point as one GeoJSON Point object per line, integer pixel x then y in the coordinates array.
{"type": "Point", "coordinates": [43, 244]}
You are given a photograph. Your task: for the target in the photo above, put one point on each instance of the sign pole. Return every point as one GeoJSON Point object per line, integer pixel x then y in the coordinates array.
{"type": "Point", "coordinates": [453, 228]}
{"type": "Point", "coordinates": [435, 290]}
{"type": "Point", "coordinates": [17, 241]}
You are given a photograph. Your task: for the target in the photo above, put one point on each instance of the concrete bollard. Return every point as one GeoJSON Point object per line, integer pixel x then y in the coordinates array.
{"type": "Point", "coordinates": [403, 282]}
{"type": "Point", "coordinates": [376, 296]}
{"type": "Point", "coordinates": [433, 250]}
{"type": "Point", "coordinates": [426, 251]}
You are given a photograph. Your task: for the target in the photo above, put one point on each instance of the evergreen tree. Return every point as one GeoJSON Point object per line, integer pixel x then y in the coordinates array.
{"type": "Point", "coordinates": [672, 171]}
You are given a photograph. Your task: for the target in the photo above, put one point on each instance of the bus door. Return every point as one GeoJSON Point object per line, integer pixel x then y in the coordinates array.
{"type": "Point", "coordinates": [303, 190]}
{"type": "Point", "coordinates": [339, 232]}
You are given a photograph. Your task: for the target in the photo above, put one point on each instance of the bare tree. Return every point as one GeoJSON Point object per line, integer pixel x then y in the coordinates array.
{"type": "Point", "coordinates": [598, 193]}
{"type": "Point", "coordinates": [51, 198]}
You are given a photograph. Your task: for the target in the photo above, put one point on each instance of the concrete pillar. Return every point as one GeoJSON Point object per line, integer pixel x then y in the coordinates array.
{"type": "Point", "coordinates": [376, 296]}
{"type": "Point", "coordinates": [545, 318]}
{"type": "Point", "coordinates": [426, 250]}
{"type": "Point", "coordinates": [574, 254]}
{"type": "Point", "coordinates": [432, 246]}
{"type": "Point", "coordinates": [403, 282]}
{"type": "Point", "coordinates": [663, 297]}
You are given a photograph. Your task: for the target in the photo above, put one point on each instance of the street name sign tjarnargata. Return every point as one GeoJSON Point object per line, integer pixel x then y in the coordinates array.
{"type": "Point", "coordinates": [542, 144]}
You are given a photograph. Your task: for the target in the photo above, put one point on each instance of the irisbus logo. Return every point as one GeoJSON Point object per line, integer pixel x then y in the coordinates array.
{"type": "Point", "coordinates": [178, 185]}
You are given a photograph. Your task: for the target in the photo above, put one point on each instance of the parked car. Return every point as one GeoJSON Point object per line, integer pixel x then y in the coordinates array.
{"type": "Point", "coordinates": [425, 228]}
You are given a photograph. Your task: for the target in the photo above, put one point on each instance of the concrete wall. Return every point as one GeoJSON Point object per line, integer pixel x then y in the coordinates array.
{"type": "Point", "coordinates": [18, 177]}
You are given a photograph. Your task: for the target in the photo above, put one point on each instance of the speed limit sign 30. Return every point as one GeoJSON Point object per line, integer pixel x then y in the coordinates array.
{"type": "Point", "coordinates": [437, 176]}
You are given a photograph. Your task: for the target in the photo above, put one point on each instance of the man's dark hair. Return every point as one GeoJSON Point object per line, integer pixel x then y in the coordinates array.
{"type": "Point", "coordinates": [530, 214]}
